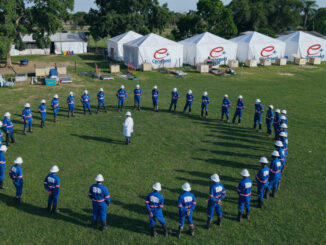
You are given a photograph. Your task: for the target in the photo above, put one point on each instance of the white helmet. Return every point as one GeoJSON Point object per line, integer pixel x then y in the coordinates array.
{"type": "Point", "coordinates": [122, 87]}
{"type": "Point", "coordinates": [271, 106]}
{"type": "Point", "coordinates": [226, 96]}
{"type": "Point", "coordinates": [157, 186]}
{"type": "Point", "coordinates": [215, 178]}
{"type": "Point", "coordinates": [186, 187]}
{"type": "Point", "coordinates": [7, 114]}
{"type": "Point", "coordinates": [275, 154]}
{"type": "Point", "coordinates": [43, 101]}
{"type": "Point", "coordinates": [137, 86]}
{"type": "Point", "coordinates": [155, 87]}
{"type": "Point", "coordinates": [54, 169]}
{"type": "Point", "coordinates": [85, 92]}
{"type": "Point", "coordinates": [1, 124]}
{"type": "Point", "coordinates": [205, 93]}
{"type": "Point", "coordinates": [279, 143]}
{"type": "Point", "coordinates": [282, 134]}
{"type": "Point", "coordinates": [101, 89]}
{"type": "Point", "coordinates": [283, 112]}
{"type": "Point", "coordinates": [263, 160]}
{"type": "Point", "coordinates": [283, 117]}
{"type": "Point", "coordinates": [19, 160]}
{"type": "Point", "coordinates": [245, 173]}
{"type": "Point", "coordinates": [56, 96]}
{"type": "Point", "coordinates": [278, 111]}
{"type": "Point", "coordinates": [71, 93]}
{"type": "Point", "coordinates": [240, 97]}
{"type": "Point", "coordinates": [283, 125]}
{"type": "Point", "coordinates": [128, 113]}
{"type": "Point", "coordinates": [27, 105]}
{"type": "Point", "coordinates": [3, 148]}
{"type": "Point", "coordinates": [175, 90]}
{"type": "Point", "coordinates": [99, 178]}
{"type": "Point", "coordinates": [258, 101]}
{"type": "Point", "coordinates": [189, 91]}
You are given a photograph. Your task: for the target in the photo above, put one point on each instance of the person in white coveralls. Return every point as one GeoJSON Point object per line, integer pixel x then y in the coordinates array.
{"type": "Point", "coordinates": [128, 127]}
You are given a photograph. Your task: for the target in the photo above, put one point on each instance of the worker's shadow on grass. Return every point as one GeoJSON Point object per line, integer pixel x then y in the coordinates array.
{"type": "Point", "coordinates": [236, 145]}
{"type": "Point", "coordinates": [207, 175]}
{"type": "Point", "coordinates": [101, 139]}
{"type": "Point", "coordinates": [235, 138]}
{"type": "Point", "coordinates": [232, 154]}
{"type": "Point", "coordinates": [229, 163]}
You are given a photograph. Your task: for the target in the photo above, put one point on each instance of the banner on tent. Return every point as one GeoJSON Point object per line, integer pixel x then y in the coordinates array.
{"type": "Point", "coordinates": [315, 51]}
{"type": "Point", "coordinates": [217, 53]}
{"type": "Point", "coordinates": [161, 56]}
{"type": "Point", "coordinates": [268, 52]}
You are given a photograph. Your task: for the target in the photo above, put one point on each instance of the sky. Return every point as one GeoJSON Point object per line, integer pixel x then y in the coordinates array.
{"type": "Point", "coordinates": [175, 5]}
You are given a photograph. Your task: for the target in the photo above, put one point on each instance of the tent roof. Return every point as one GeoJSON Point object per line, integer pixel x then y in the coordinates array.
{"type": "Point", "coordinates": [255, 37]}
{"type": "Point", "coordinates": [300, 36]}
{"type": "Point", "coordinates": [205, 38]}
{"type": "Point", "coordinates": [130, 35]}
{"type": "Point", "coordinates": [151, 40]}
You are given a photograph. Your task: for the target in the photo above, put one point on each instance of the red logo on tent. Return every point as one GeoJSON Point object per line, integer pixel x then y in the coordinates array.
{"type": "Point", "coordinates": [312, 48]}
{"type": "Point", "coordinates": [217, 52]}
{"type": "Point", "coordinates": [267, 51]}
{"type": "Point", "coordinates": [161, 54]}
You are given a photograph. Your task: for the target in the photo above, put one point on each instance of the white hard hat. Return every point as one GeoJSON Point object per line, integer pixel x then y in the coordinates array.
{"type": "Point", "coordinates": [275, 154]}
{"type": "Point", "coordinates": [186, 187]}
{"type": "Point", "coordinates": [284, 112]}
{"type": "Point", "coordinates": [226, 96]}
{"type": "Point", "coordinates": [55, 96]}
{"type": "Point", "coordinates": [43, 101]}
{"type": "Point", "coordinates": [54, 169]}
{"type": "Point", "coordinates": [175, 90]}
{"type": "Point", "coordinates": [283, 125]}
{"type": "Point", "coordinates": [157, 186]}
{"type": "Point", "coordinates": [245, 173]}
{"type": "Point", "coordinates": [258, 101]}
{"type": "Point", "coordinates": [271, 106]}
{"type": "Point", "coordinates": [283, 117]}
{"type": "Point", "coordinates": [205, 93]}
{"type": "Point", "coordinates": [215, 178]}
{"type": "Point", "coordinates": [240, 97]}
{"type": "Point", "coordinates": [279, 143]}
{"type": "Point", "coordinates": [7, 114]}
{"type": "Point", "coordinates": [1, 124]}
{"type": "Point", "coordinates": [282, 134]}
{"type": "Point", "coordinates": [85, 92]}
{"type": "Point", "coordinates": [27, 105]}
{"type": "Point", "coordinates": [101, 89]}
{"type": "Point", "coordinates": [189, 91]}
{"type": "Point", "coordinates": [278, 111]}
{"type": "Point", "coordinates": [19, 160]}
{"type": "Point", "coordinates": [128, 113]}
{"type": "Point", "coordinates": [71, 93]}
{"type": "Point", "coordinates": [263, 160]}
{"type": "Point", "coordinates": [3, 148]}
{"type": "Point", "coordinates": [137, 86]}
{"type": "Point", "coordinates": [99, 178]}
{"type": "Point", "coordinates": [155, 87]}
{"type": "Point", "coordinates": [122, 87]}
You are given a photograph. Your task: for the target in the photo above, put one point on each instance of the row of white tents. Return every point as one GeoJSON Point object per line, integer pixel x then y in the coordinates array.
{"type": "Point", "coordinates": [135, 49]}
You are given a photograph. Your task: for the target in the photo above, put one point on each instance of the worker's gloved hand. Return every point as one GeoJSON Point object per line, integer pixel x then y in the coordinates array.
{"type": "Point", "coordinates": [151, 214]}
{"type": "Point", "coordinates": [188, 212]}
{"type": "Point", "coordinates": [219, 202]}
{"type": "Point", "coordinates": [49, 192]}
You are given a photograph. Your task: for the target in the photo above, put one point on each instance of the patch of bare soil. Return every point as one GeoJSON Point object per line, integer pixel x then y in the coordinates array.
{"type": "Point", "coordinates": [285, 74]}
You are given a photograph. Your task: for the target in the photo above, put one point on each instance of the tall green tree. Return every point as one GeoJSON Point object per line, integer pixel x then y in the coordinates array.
{"type": "Point", "coordinates": [309, 9]}
{"type": "Point", "coordinates": [41, 18]}
{"type": "Point", "coordinates": [318, 22]}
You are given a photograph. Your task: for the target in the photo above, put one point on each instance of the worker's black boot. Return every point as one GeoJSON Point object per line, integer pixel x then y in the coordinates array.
{"type": "Point", "coordinates": [247, 214]}
{"type": "Point", "coordinates": [255, 125]}
{"type": "Point", "coordinates": [157, 108]}
{"type": "Point", "coordinates": [170, 107]}
{"type": "Point", "coordinates": [106, 111]}
{"type": "Point", "coordinates": [166, 232]}
{"type": "Point", "coordinates": [30, 129]}
{"type": "Point", "coordinates": [7, 140]}
{"type": "Point", "coordinates": [127, 142]}
{"type": "Point", "coordinates": [239, 216]}
{"type": "Point", "coordinates": [233, 120]}
{"type": "Point", "coordinates": [90, 112]}
{"type": "Point", "coordinates": [72, 113]}
{"type": "Point", "coordinates": [239, 121]}
{"type": "Point", "coordinates": [219, 221]}
{"type": "Point", "coordinates": [259, 127]}
{"type": "Point", "coordinates": [273, 193]}
{"type": "Point", "coordinates": [189, 110]}
{"type": "Point", "coordinates": [209, 222]}
{"type": "Point", "coordinates": [48, 209]}
{"type": "Point", "coordinates": [175, 107]}
{"type": "Point", "coordinates": [42, 125]}
{"type": "Point", "coordinates": [206, 114]}
{"type": "Point", "coordinates": [192, 231]}
{"type": "Point", "coordinates": [55, 210]}
{"type": "Point", "coordinates": [139, 107]}
{"type": "Point", "coordinates": [227, 119]}
{"type": "Point", "coordinates": [98, 108]}
{"type": "Point", "coordinates": [266, 194]}
{"type": "Point", "coordinates": [25, 131]}
{"type": "Point", "coordinates": [153, 232]}
{"type": "Point", "coordinates": [179, 232]}
{"type": "Point", "coordinates": [54, 118]}
{"type": "Point", "coordinates": [202, 113]}
{"type": "Point", "coordinates": [104, 226]}
{"type": "Point", "coordinates": [19, 200]}
{"type": "Point", "coordinates": [121, 108]}
{"type": "Point", "coordinates": [2, 187]}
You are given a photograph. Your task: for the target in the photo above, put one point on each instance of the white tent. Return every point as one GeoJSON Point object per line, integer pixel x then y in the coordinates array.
{"type": "Point", "coordinates": [258, 46]}
{"type": "Point", "coordinates": [115, 44]}
{"type": "Point", "coordinates": [154, 49]}
{"type": "Point", "coordinates": [71, 42]}
{"type": "Point", "coordinates": [304, 45]}
{"type": "Point", "coordinates": [204, 46]}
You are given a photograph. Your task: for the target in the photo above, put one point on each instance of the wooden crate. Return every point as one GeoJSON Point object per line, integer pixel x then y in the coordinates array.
{"type": "Point", "coordinates": [315, 61]}
{"type": "Point", "coordinates": [62, 70]}
{"type": "Point", "coordinates": [251, 63]}
{"type": "Point", "coordinates": [233, 63]}
{"type": "Point", "coordinates": [281, 62]}
{"type": "Point", "coordinates": [41, 72]}
{"type": "Point", "coordinates": [299, 61]}
{"type": "Point", "coordinates": [114, 68]}
{"type": "Point", "coordinates": [203, 68]}
{"type": "Point", "coordinates": [147, 67]}
{"type": "Point", "coordinates": [266, 62]}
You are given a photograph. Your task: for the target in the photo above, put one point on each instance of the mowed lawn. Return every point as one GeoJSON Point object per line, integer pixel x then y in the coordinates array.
{"type": "Point", "coordinates": [171, 148]}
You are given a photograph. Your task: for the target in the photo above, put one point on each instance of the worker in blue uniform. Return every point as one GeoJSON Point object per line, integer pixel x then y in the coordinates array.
{"type": "Point", "coordinates": [86, 101]}
{"type": "Point", "coordinates": [283, 113]}
{"type": "Point", "coordinates": [279, 147]}
{"type": "Point", "coordinates": [1, 135]}
{"type": "Point", "coordinates": [52, 185]}
{"type": "Point", "coordinates": [121, 95]}
{"type": "Point", "coordinates": [259, 109]}
{"type": "Point", "coordinates": [16, 174]}
{"type": "Point", "coordinates": [269, 120]}
{"type": "Point", "coordinates": [238, 110]}
{"type": "Point", "coordinates": [71, 104]}
{"type": "Point", "coordinates": [189, 100]}
{"type": "Point", "coordinates": [283, 128]}
{"type": "Point", "coordinates": [244, 191]}
{"type": "Point", "coordinates": [284, 138]}
{"type": "Point", "coordinates": [262, 181]}
{"type": "Point", "coordinates": [8, 127]}
{"type": "Point", "coordinates": [204, 104]}
{"type": "Point", "coordinates": [174, 99]}
{"type": "Point", "coordinates": [27, 118]}
{"type": "Point", "coordinates": [276, 122]}
{"type": "Point", "coordinates": [42, 111]}
{"type": "Point", "coordinates": [216, 194]}
{"type": "Point", "coordinates": [155, 94]}
{"type": "Point", "coordinates": [275, 174]}
{"type": "Point", "coordinates": [154, 205]}
{"type": "Point", "coordinates": [225, 108]}
{"type": "Point", "coordinates": [137, 97]}
{"type": "Point", "coordinates": [101, 200]}
{"type": "Point", "coordinates": [186, 204]}
{"type": "Point", "coordinates": [55, 107]}
{"type": "Point", "coordinates": [101, 100]}
{"type": "Point", "coordinates": [3, 150]}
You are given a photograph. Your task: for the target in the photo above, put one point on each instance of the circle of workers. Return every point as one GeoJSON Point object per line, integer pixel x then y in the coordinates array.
{"type": "Point", "coordinates": [268, 178]}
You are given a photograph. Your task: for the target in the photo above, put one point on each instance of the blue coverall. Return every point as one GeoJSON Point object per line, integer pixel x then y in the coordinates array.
{"type": "Point", "coordinates": [27, 117]}
{"type": "Point", "coordinates": [16, 174]}
{"type": "Point", "coordinates": [238, 111]}
{"type": "Point", "coordinates": [71, 103]}
{"type": "Point", "coordinates": [262, 182]}
{"type": "Point", "coordinates": [137, 96]}
{"type": "Point", "coordinates": [155, 94]}
{"type": "Point", "coordinates": [275, 173]}
{"type": "Point", "coordinates": [186, 203]}
{"type": "Point", "coordinates": [285, 146]}
{"type": "Point", "coordinates": [244, 191]}
{"type": "Point", "coordinates": [154, 204]}
{"type": "Point", "coordinates": [2, 166]}
{"type": "Point", "coordinates": [189, 100]}
{"type": "Point", "coordinates": [8, 127]}
{"type": "Point", "coordinates": [121, 95]}
{"type": "Point", "coordinates": [225, 108]}
{"type": "Point", "coordinates": [216, 193]}
{"type": "Point", "coordinates": [204, 105]}
{"type": "Point", "coordinates": [55, 107]}
{"type": "Point", "coordinates": [174, 100]}
{"type": "Point", "coordinates": [85, 100]}
{"type": "Point", "coordinates": [269, 121]}
{"type": "Point", "coordinates": [52, 184]}
{"type": "Point", "coordinates": [276, 123]}
{"type": "Point", "coordinates": [100, 197]}
{"type": "Point", "coordinates": [1, 137]}
{"type": "Point", "coordinates": [100, 100]}
{"type": "Point", "coordinates": [258, 115]}
{"type": "Point", "coordinates": [42, 111]}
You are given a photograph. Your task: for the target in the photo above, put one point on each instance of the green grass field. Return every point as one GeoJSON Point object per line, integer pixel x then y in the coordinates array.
{"type": "Point", "coordinates": [171, 148]}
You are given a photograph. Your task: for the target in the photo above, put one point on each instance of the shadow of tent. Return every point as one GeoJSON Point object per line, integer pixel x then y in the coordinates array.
{"type": "Point", "coordinates": [101, 139]}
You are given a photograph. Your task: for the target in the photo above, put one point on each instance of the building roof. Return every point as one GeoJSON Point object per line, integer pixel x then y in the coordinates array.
{"type": "Point", "coordinates": [59, 37]}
